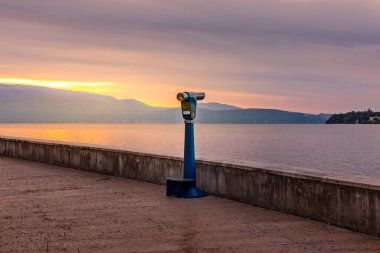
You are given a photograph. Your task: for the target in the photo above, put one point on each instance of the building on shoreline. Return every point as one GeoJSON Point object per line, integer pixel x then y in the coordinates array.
{"type": "Point", "coordinates": [373, 119]}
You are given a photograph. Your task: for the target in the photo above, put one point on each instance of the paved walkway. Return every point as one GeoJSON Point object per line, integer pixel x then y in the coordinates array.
{"type": "Point", "coordinates": [45, 208]}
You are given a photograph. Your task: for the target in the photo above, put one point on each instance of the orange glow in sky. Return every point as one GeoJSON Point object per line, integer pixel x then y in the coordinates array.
{"type": "Point", "coordinates": [95, 87]}
{"type": "Point", "coordinates": [102, 88]}
{"type": "Point", "coordinates": [147, 93]}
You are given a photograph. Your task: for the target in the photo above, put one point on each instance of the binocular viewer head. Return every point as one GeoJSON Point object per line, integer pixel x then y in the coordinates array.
{"type": "Point", "coordinates": [185, 96]}
{"type": "Point", "coordinates": [189, 103]}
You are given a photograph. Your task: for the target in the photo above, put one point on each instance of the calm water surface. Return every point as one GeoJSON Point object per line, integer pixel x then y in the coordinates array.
{"type": "Point", "coordinates": [347, 149]}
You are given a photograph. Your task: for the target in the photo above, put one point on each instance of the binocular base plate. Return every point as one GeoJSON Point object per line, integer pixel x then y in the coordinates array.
{"type": "Point", "coordinates": [183, 188]}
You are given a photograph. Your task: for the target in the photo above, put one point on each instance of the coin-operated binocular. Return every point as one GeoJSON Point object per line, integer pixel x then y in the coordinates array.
{"type": "Point", "coordinates": [189, 103]}
{"type": "Point", "coordinates": [186, 187]}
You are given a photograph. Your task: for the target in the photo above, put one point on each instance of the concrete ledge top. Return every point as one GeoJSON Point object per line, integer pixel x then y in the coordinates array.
{"type": "Point", "coordinates": [359, 181]}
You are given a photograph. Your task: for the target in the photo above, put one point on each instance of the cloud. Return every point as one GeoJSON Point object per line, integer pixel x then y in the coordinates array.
{"type": "Point", "coordinates": [283, 48]}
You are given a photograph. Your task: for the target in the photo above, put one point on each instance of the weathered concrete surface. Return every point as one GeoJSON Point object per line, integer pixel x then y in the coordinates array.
{"type": "Point", "coordinates": [354, 205]}
{"type": "Point", "coordinates": [45, 208]}
{"type": "Point", "coordinates": [347, 204]}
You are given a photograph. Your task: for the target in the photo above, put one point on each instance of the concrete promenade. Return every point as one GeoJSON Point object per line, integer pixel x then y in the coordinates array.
{"type": "Point", "coordinates": [347, 201]}
{"type": "Point", "coordinates": [45, 208]}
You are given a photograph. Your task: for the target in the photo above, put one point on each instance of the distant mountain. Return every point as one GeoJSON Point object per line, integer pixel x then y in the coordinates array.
{"type": "Point", "coordinates": [216, 106]}
{"type": "Point", "coordinates": [325, 116]}
{"type": "Point", "coordinates": [30, 104]}
{"type": "Point", "coordinates": [38, 104]}
{"type": "Point", "coordinates": [259, 116]}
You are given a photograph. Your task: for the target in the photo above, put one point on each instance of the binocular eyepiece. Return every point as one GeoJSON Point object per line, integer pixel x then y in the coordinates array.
{"type": "Point", "coordinates": [185, 96]}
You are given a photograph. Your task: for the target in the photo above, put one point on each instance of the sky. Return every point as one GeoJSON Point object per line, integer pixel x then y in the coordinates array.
{"type": "Point", "coordinates": [298, 55]}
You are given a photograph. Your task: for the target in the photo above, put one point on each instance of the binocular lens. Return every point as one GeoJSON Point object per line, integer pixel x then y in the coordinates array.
{"type": "Point", "coordinates": [182, 96]}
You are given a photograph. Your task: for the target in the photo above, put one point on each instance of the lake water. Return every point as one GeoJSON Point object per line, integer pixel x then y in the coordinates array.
{"type": "Point", "coordinates": [346, 149]}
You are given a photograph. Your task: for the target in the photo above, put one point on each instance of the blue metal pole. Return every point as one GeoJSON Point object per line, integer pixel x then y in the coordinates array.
{"type": "Point", "coordinates": [189, 158]}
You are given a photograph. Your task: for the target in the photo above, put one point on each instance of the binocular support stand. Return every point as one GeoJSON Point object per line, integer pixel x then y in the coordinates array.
{"type": "Point", "coordinates": [186, 187]}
